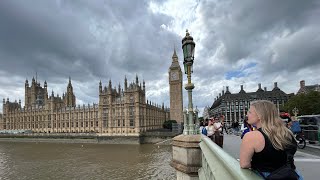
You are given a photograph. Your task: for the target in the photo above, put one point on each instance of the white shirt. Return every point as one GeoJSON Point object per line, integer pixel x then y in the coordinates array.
{"type": "Point", "coordinates": [210, 130]}
{"type": "Point", "coordinates": [217, 125]}
{"type": "Point", "coordinates": [243, 128]}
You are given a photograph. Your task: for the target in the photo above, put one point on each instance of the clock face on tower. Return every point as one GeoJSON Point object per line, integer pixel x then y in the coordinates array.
{"type": "Point", "coordinates": [174, 76]}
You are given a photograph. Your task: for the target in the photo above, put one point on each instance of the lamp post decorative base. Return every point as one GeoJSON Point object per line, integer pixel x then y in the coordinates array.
{"type": "Point", "coordinates": [194, 131]}
{"type": "Point", "coordinates": [186, 129]}
{"type": "Point", "coordinates": [186, 156]}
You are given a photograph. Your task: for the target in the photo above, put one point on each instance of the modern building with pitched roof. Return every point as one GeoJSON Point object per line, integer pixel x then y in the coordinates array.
{"type": "Point", "coordinates": [235, 106]}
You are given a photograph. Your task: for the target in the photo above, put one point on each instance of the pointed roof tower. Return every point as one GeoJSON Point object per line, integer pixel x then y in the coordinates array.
{"type": "Point", "coordinates": [69, 85]}
{"type": "Point", "coordinates": [174, 56]}
{"type": "Point", "coordinates": [175, 61]}
{"type": "Point", "coordinates": [125, 83]}
{"type": "Point", "coordinates": [137, 80]}
{"type": "Point", "coordinates": [100, 86]}
{"type": "Point", "coordinates": [110, 84]}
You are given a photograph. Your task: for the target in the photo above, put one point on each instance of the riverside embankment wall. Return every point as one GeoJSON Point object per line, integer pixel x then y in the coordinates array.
{"type": "Point", "coordinates": [144, 138]}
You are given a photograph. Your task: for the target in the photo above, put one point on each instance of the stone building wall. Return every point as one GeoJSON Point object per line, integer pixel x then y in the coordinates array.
{"type": "Point", "coordinates": [120, 112]}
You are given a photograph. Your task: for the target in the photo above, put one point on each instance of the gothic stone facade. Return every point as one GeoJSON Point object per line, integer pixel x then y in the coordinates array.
{"type": "Point", "coordinates": [235, 106]}
{"type": "Point", "coordinates": [175, 84]}
{"type": "Point", "coordinates": [119, 112]}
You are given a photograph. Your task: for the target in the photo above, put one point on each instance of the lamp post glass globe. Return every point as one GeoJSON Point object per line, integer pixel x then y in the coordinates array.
{"type": "Point", "coordinates": [188, 51]}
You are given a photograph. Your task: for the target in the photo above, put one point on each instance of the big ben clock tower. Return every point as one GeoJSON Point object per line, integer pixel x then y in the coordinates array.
{"type": "Point", "coordinates": [175, 83]}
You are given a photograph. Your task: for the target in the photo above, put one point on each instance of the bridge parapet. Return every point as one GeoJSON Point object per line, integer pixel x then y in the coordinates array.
{"type": "Point", "coordinates": [186, 156]}
{"type": "Point", "coordinates": [217, 164]}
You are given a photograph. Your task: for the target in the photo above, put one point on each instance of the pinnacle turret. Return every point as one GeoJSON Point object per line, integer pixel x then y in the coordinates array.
{"type": "Point", "coordinates": [144, 85]}
{"type": "Point", "coordinates": [137, 80]}
{"type": "Point", "coordinates": [174, 56]}
{"type": "Point", "coordinates": [175, 61]}
{"type": "Point", "coordinates": [100, 87]}
{"type": "Point", "coordinates": [110, 84]}
{"type": "Point", "coordinates": [125, 83]}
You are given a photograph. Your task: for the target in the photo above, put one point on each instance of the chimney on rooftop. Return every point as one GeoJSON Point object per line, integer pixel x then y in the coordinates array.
{"type": "Point", "coordinates": [302, 84]}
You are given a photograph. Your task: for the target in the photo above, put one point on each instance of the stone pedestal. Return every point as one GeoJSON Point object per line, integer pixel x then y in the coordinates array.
{"type": "Point", "coordinates": [186, 156]}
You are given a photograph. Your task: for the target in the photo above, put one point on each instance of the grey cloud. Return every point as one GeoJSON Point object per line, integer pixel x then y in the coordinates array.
{"type": "Point", "coordinates": [87, 40]}
{"type": "Point", "coordinates": [282, 37]}
{"type": "Point", "coordinates": [102, 40]}
{"type": "Point", "coordinates": [299, 50]}
{"type": "Point", "coordinates": [34, 40]}
{"type": "Point", "coordinates": [245, 28]}
{"type": "Point", "coordinates": [115, 35]}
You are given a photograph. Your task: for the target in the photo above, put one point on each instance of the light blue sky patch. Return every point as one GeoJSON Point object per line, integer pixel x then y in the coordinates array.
{"type": "Point", "coordinates": [239, 72]}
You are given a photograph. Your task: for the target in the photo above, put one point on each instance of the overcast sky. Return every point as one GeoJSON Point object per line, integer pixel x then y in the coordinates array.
{"type": "Point", "coordinates": [237, 42]}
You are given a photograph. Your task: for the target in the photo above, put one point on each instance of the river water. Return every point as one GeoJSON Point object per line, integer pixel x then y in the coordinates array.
{"type": "Point", "coordinates": [19, 160]}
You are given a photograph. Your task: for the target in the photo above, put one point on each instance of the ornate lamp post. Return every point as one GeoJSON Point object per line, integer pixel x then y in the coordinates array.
{"type": "Point", "coordinates": [188, 54]}
{"type": "Point", "coordinates": [295, 111]}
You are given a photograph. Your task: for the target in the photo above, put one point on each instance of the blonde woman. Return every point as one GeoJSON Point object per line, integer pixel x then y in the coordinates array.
{"type": "Point", "coordinates": [265, 150]}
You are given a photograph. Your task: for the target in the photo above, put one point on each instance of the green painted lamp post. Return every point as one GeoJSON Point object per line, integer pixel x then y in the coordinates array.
{"type": "Point", "coordinates": [188, 55]}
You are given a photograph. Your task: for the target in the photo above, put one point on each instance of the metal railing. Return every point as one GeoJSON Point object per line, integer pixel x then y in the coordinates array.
{"type": "Point", "coordinates": [217, 164]}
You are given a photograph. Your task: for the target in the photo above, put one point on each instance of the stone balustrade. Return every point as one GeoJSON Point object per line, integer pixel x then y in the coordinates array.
{"type": "Point", "coordinates": [217, 164]}
{"type": "Point", "coordinates": [197, 157]}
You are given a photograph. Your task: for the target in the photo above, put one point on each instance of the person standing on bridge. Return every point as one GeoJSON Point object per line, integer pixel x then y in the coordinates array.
{"type": "Point", "coordinates": [223, 124]}
{"type": "Point", "coordinates": [218, 134]}
{"type": "Point", "coordinates": [210, 129]}
{"type": "Point", "coordinates": [272, 146]}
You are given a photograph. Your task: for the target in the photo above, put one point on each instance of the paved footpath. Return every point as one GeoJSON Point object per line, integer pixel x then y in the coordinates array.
{"type": "Point", "coordinates": [308, 164]}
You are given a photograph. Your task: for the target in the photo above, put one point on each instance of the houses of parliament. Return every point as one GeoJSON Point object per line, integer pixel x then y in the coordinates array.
{"type": "Point", "coordinates": [120, 111]}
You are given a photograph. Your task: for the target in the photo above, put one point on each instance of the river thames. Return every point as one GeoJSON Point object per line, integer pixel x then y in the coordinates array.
{"type": "Point", "coordinates": [19, 160]}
